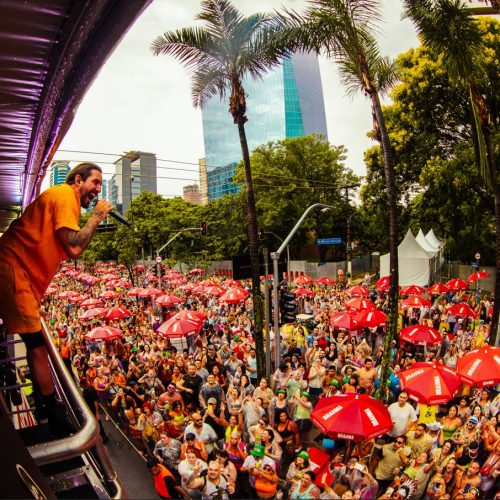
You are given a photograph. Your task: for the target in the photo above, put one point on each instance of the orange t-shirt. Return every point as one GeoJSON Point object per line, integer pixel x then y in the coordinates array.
{"type": "Point", "coordinates": [31, 242]}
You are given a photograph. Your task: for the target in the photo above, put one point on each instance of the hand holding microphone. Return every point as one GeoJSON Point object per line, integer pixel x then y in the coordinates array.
{"type": "Point", "coordinates": [102, 210]}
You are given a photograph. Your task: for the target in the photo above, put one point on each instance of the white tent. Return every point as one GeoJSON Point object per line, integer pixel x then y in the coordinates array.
{"type": "Point", "coordinates": [415, 263]}
{"type": "Point", "coordinates": [424, 243]}
{"type": "Point", "coordinates": [433, 240]}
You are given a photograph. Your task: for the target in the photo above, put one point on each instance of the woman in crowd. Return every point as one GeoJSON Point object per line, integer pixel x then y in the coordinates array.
{"type": "Point", "coordinates": [450, 423]}
{"type": "Point", "coordinates": [190, 465]}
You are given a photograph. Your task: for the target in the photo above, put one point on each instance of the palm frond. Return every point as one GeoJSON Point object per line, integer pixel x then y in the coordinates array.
{"type": "Point", "coordinates": [386, 74]}
{"type": "Point", "coordinates": [220, 18]}
{"type": "Point", "coordinates": [206, 82]}
{"type": "Point", "coordinates": [191, 46]}
{"type": "Point", "coordinates": [448, 28]}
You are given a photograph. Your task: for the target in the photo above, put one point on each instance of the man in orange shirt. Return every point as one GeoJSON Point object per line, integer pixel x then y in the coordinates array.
{"type": "Point", "coordinates": [30, 253]}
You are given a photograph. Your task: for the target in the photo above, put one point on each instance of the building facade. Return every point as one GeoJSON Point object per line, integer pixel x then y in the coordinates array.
{"type": "Point", "coordinates": [288, 102]}
{"type": "Point", "coordinates": [191, 194]}
{"type": "Point", "coordinates": [135, 172]}
{"type": "Point", "coordinates": [58, 172]}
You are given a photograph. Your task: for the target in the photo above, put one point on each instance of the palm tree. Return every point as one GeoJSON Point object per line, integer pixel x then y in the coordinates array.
{"type": "Point", "coordinates": [228, 48]}
{"type": "Point", "coordinates": [448, 28]}
{"type": "Point", "coordinates": [344, 29]}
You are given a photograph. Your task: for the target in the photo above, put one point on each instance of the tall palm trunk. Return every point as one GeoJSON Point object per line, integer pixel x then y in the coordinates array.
{"type": "Point", "coordinates": [253, 244]}
{"type": "Point", "coordinates": [392, 321]}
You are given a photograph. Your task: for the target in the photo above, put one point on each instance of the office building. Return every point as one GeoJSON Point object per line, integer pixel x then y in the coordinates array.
{"type": "Point", "coordinates": [135, 173]}
{"type": "Point", "coordinates": [287, 102]}
{"type": "Point", "coordinates": [58, 172]}
{"type": "Point", "coordinates": [191, 194]}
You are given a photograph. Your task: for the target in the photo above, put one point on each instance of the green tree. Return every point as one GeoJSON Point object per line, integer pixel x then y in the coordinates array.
{"type": "Point", "coordinates": [448, 27]}
{"type": "Point", "coordinates": [344, 29]}
{"type": "Point", "coordinates": [228, 48]}
{"type": "Point", "coordinates": [292, 174]}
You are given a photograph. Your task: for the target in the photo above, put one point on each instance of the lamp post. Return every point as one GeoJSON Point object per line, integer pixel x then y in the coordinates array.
{"type": "Point", "coordinates": [287, 252]}
{"type": "Point", "coordinates": [275, 257]}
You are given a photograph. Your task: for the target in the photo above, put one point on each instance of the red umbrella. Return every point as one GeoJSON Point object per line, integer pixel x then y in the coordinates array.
{"type": "Point", "coordinates": [215, 290]}
{"type": "Point", "coordinates": [416, 301]}
{"type": "Point", "coordinates": [430, 383]}
{"type": "Point", "coordinates": [303, 280]}
{"type": "Point", "coordinates": [371, 318]}
{"type": "Point", "coordinates": [150, 292]}
{"type": "Point", "coordinates": [135, 292]}
{"type": "Point", "coordinates": [189, 287]}
{"type": "Point", "coordinates": [359, 303]}
{"type": "Point", "coordinates": [92, 303]}
{"type": "Point", "coordinates": [178, 327]}
{"type": "Point", "coordinates": [52, 289]}
{"type": "Point", "coordinates": [67, 294]}
{"type": "Point", "coordinates": [463, 310]}
{"type": "Point", "coordinates": [89, 314]}
{"type": "Point", "coordinates": [168, 300]}
{"type": "Point", "coordinates": [420, 335]}
{"type": "Point", "coordinates": [412, 290]}
{"type": "Point", "coordinates": [325, 281]}
{"type": "Point", "coordinates": [345, 320]}
{"type": "Point", "coordinates": [438, 288]}
{"type": "Point", "coordinates": [195, 316]}
{"type": "Point", "coordinates": [117, 313]}
{"type": "Point", "coordinates": [198, 290]}
{"type": "Point", "coordinates": [196, 271]}
{"type": "Point", "coordinates": [232, 283]}
{"type": "Point", "coordinates": [103, 333]}
{"type": "Point", "coordinates": [299, 292]}
{"type": "Point", "coordinates": [234, 295]}
{"type": "Point", "coordinates": [384, 283]}
{"type": "Point", "coordinates": [77, 298]}
{"type": "Point", "coordinates": [479, 275]}
{"type": "Point", "coordinates": [358, 290]}
{"type": "Point", "coordinates": [457, 284]}
{"type": "Point", "coordinates": [480, 367]}
{"type": "Point", "coordinates": [351, 416]}
{"type": "Point", "coordinates": [109, 294]}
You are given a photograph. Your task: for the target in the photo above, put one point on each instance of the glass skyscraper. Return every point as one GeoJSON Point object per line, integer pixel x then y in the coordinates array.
{"type": "Point", "coordinates": [287, 102]}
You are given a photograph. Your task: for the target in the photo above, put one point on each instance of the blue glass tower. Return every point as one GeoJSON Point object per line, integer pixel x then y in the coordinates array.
{"type": "Point", "coordinates": [287, 102]}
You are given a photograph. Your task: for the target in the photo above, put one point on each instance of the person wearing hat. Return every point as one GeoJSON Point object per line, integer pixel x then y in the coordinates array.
{"type": "Point", "coordinates": [464, 437]}
{"type": "Point", "coordinates": [266, 483]}
{"type": "Point", "coordinates": [202, 431]}
{"type": "Point", "coordinates": [331, 389]}
{"type": "Point", "coordinates": [254, 463]}
{"type": "Point", "coordinates": [278, 403]}
{"type": "Point", "coordinates": [303, 410]}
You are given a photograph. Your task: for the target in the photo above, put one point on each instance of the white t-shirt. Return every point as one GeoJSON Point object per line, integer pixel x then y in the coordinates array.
{"type": "Point", "coordinates": [400, 416]}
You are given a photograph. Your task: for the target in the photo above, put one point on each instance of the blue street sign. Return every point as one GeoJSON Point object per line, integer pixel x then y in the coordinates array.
{"type": "Point", "coordinates": [329, 241]}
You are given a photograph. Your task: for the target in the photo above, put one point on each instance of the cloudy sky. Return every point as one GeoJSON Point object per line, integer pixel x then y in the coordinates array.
{"type": "Point", "coordinates": [143, 102]}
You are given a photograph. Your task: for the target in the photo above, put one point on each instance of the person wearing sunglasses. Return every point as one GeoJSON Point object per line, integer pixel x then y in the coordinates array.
{"type": "Point", "coordinates": [394, 456]}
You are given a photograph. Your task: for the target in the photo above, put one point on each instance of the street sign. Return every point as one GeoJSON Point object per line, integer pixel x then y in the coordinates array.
{"type": "Point", "coordinates": [329, 241]}
{"type": "Point", "coordinates": [158, 259]}
{"type": "Point", "coordinates": [477, 256]}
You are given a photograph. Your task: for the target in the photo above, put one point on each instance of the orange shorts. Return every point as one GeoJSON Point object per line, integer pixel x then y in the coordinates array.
{"type": "Point", "coordinates": [19, 308]}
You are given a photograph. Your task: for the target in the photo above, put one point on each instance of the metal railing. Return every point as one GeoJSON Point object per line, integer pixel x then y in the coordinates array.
{"type": "Point", "coordinates": [86, 440]}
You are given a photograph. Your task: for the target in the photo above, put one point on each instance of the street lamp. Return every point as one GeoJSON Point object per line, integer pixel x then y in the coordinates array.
{"type": "Point", "coordinates": [275, 257]}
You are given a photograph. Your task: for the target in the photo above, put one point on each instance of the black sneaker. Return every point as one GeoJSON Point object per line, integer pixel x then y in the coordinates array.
{"type": "Point", "coordinates": [60, 424]}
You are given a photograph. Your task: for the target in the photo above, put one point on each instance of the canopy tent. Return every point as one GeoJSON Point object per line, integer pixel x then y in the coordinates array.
{"type": "Point", "coordinates": [415, 262]}
{"type": "Point", "coordinates": [425, 243]}
{"type": "Point", "coordinates": [432, 239]}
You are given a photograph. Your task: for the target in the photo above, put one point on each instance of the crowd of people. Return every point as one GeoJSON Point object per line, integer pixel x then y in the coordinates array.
{"type": "Point", "coordinates": [211, 428]}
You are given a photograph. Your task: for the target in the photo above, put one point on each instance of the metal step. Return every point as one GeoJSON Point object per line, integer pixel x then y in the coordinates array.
{"type": "Point", "coordinates": [81, 482]}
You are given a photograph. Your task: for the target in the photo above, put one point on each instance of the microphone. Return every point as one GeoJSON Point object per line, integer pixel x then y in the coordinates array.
{"type": "Point", "coordinates": [119, 217]}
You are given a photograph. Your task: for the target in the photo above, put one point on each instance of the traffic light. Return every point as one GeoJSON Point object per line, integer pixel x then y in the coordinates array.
{"type": "Point", "coordinates": [204, 228]}
{"type": "Point", "coordinates": [288, 307]}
